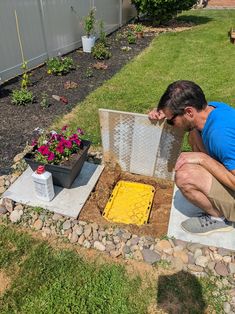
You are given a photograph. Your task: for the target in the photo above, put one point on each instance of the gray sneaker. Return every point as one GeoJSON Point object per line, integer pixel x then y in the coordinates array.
{"type": "Point", "coordinates": [204, 225]}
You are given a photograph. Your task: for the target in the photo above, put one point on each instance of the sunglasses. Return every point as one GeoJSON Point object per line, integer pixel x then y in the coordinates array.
{"type": "Point", "coordinates": [171, 121]}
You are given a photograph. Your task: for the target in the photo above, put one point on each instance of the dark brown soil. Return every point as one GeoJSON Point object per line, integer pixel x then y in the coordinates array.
{"type": "Point", "coordinates": [18, 122]}
{"type": "Point", "coordinates": [159, 216]}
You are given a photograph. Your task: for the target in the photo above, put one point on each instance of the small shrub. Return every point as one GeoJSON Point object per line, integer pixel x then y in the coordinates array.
{"type": "Point", "coordinates": [161, 10]}
{"type": "Point", "coordinates": [139, 28]}
{"type": "Point", "coordinates": [59, 66]}
{"type": "Point", "coordinates": [89, 72]}
{"type": "Point", "coordinates": [131, 38]}
{"type": "Point", "coordinates": [89, 23]}
{"type": "Point", "coordinates": [100, 52]}
{"type": "Point", "coordinates": [44, 103]}
{"type": "Point", "coordinates": [102, 34]}
{"type": "Point", "coordinates": [21, 96]}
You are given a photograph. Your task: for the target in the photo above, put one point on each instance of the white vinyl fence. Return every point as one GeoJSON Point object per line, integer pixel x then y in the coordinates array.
{"type": "Point", "coordinates": [38, 29]}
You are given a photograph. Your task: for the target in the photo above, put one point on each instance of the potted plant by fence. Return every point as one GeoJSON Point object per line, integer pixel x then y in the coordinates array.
{"type": "Point", "coordinates": [62, 153]}
{"type": "Point", "coordinates": [88, 41]}
{"type": "Point", "coordinates": [139, 31]}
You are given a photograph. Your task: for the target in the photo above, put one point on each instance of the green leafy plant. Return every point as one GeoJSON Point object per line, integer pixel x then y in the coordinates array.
{"type": "Point", "coordinates": [89, 23]}
{"type": "Point", "coordinates": [102, 34]}
{"type": "Point", "coordinates": [161, 10]}
{"type": "Point", "coordinates": [21, 96]}
{"type": "Point", "coordinates": [89, 72]}
{"type": "Point", "coordinates": [139, 28]}
{"type": "Point", "coordinates": [25, 77]}
{"type": "Point", "coordinates": [100, 52]}
{"type": "Point", "coordinates": [37, 210]}
{"type": "Point", "coordinates": [59, 66]}
{"type": "Point", "coordinates": [44, 103]}
{"type": "Point", "coordinates": [131, 38]}
{"type": "Point", "coordinates": [163, 264]}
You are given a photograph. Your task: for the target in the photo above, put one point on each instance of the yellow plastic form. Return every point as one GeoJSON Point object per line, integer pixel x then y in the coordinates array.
{"type": "Point", "coordinates": [130, 203]}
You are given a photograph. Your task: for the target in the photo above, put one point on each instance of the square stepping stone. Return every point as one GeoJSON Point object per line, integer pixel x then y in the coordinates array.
{"type": "Point", "coordinates": [181, 210]}
{"type": "Point", "coordinates": [67, 202]}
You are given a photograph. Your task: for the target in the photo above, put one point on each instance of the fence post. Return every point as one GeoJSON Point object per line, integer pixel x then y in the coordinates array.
{"type": "Point", "coordinates": [42, 16]}
{"type": "Point", "coordinates": [120, 12]}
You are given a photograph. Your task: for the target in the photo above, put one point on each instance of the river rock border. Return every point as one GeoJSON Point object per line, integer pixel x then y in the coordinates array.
{"type": "Point", "coordinates": [197, 259]}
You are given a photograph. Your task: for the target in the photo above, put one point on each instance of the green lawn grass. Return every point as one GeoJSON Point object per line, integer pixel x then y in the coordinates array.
{"type": "Point", "coordinates": [202, 54]}
{"type": "Point", "coordinates": [45, 280]}
{"type": "Point", "coordinates": [59, 281]}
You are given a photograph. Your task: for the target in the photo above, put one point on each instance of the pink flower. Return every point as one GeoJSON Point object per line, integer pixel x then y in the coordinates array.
{"type": "Point", "coordinates": [44, 150]}
{"type": "Point", "coordinates": [60, 148]}
{"type": "Point", "coordinates": [62, 140]}
{"type": "Point", "coordinates": [51, 156]}
{"type": "Point", "coordinates": [53, 147]}
{"type": "Point", "coordinates": [80, 131]}
{"type": "Point", "coordinates": [68, 144]}
{"type": "Point", "coordinates": [73, 137]}
{"type": "Point", "coordinates": [78, 142]}
{"type": "Point", "coordinates": [64, 128]}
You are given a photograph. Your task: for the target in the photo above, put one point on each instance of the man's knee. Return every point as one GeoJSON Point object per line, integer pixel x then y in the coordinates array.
{"type": "Point", "coordinates": [184, 177]}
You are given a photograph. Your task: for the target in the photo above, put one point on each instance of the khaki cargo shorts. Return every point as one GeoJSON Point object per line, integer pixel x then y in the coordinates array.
{"type": "Point", "coordinates": [223, 199]}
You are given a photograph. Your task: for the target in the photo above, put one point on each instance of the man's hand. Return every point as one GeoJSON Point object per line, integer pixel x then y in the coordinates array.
{"type": "Point", "coordinates": [156, 114]}
{"type": "Point", "coordinates": [190, 158]}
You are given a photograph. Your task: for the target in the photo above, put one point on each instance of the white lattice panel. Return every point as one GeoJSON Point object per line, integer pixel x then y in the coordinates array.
{"type": "Point", "coordinates": [138, 145]}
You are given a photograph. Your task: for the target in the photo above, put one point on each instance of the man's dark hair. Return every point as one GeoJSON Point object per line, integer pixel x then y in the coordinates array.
{"type": "Point", "coordinates": [181, 94]}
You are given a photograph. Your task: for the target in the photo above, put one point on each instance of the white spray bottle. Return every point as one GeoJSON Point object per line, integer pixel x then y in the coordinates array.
{"type": "Point", "coordinates": [43, 184]}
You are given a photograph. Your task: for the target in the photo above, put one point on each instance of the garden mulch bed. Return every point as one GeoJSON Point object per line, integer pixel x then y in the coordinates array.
{"type": "Point", "coordinates": [18, 122]}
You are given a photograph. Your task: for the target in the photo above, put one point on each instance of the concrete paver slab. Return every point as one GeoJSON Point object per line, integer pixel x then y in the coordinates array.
{"type": "Point", "coordinates": [181, 210]}
{"type": "Point", "coordinates": [67, 202]}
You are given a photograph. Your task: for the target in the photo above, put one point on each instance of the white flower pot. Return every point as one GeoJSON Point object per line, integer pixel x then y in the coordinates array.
{"type": "Point", "coordinates": [88, 43]}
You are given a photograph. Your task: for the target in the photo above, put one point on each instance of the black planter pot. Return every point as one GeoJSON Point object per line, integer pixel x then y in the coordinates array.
{"type": "Point", "coordinates": [62, 175]}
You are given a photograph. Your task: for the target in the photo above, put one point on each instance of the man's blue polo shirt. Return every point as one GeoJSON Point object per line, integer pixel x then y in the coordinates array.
{"type": "Point", "coordinates": [218, 134]}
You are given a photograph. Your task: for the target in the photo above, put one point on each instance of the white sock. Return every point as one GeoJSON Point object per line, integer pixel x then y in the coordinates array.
{"type": "Point", "coordinates": [222, 218]}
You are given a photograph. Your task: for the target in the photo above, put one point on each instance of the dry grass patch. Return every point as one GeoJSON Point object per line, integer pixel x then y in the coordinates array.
{"type": "Point", "coordinates": [5, 282]}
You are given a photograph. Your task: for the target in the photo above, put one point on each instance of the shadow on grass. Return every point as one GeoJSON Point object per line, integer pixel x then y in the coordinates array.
{"type": "Point", "coordinates": [180, 293]}
{"type": "Point", "coordinates": [197, 20]}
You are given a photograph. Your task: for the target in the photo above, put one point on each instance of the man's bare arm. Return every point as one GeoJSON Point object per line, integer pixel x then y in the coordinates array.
{"type": "Point", "coordinates": [215, 168]}
{"type": "Point", "coordinates": [195, 141]}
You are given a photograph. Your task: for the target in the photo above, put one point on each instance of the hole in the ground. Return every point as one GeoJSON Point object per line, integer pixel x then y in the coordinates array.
{"type": "Point", "coordinates": [159, 216]}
